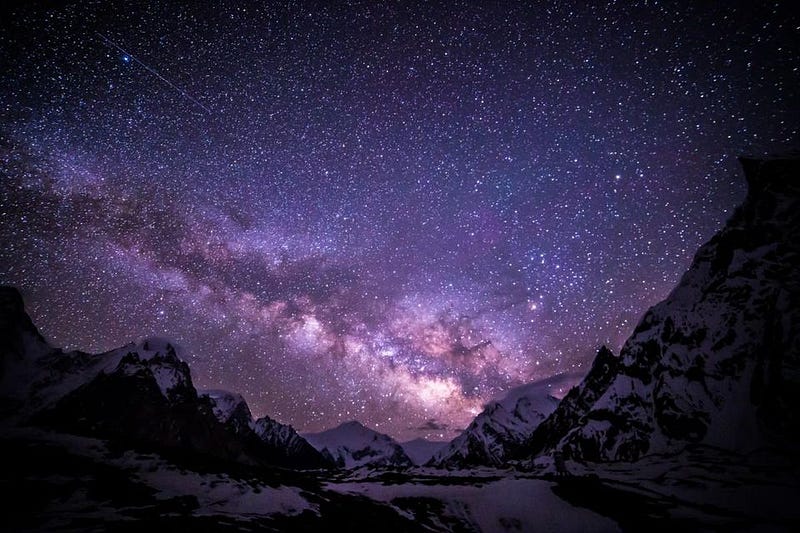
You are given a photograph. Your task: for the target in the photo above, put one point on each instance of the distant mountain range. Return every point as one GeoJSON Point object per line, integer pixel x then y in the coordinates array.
{"type": "Point", "coordinates": [279, 442]}
{"type": "Point", "coordinates": [717, 363]}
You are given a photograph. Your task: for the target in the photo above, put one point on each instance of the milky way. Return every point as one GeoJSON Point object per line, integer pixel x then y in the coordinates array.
{"type": "Point", "coordinates": [382, 212]}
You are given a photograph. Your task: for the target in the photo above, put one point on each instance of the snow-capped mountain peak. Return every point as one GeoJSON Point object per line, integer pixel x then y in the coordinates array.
{"type": "Point", "coordinates": [170, 374]}
{"type": "Point", "coordinates": [502, 427]}
{"type": "Point", "coordinates": [225, 403]}
{"type": "Point", "coordinates": [352, 445]}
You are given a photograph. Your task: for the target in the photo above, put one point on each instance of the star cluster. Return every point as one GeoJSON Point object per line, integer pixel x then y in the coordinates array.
{"type": "Point", "coordinates": [387, 212]}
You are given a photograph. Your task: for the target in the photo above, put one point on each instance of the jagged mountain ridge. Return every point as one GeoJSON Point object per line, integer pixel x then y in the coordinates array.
{"type": "Point", "coordinates": [351, 445]}
{"type": "Point", "coordinates": [279, 441]}
{"type": "Point", "coordinates": [573, 405]}
{"type": "Point", "coordinates": [139, 394]}
{"type": "Point", "coordinates": [718, 361]}
{"type": "Point", "coordinates": [501, 428]}
{"type": "Point", "coordinates": [35, 374]}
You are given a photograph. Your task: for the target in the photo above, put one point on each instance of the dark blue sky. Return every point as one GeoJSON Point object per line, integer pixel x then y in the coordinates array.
{"type": "Point", "coordinates": [332, 208]}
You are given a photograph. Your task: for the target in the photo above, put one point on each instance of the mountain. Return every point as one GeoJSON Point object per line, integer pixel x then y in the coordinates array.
{"type": "Point", "coordinates": [420, 451]}
{"type": "Point", "coordinates": [351, 445]}
{"type": "Point", "coordinates": [21, 346]}
{"type": "Point", "coordinates": [718, 361]}
{"type": "Point", "coordinates": [138, 395]}
{"type": "Point", "coordinates": [278, 442]}
{"type": "Point", "coordinates": [284, 437]}
{"type": "Point", "coordinates": [34, 376]}
{"type": "Point", "coordinates": [574, 404]}
{"type": "Point", "coordinates": [502, 427]}
{"type": "Point", "coordinates": [231, 409]}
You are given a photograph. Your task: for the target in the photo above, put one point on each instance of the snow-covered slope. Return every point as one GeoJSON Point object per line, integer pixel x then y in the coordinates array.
{"type": "Point", "coordinates": [420, 451]}
{"type": "Point", "coordinates": [351, 445]}
{"type": "Point", "coordinates": [500, 428]}
{"type": "Point", "coordinates": [718, 361]}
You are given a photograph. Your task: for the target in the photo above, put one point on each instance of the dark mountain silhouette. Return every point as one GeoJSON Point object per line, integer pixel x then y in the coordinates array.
{"type": "Point", "coordinates": [138, 395]}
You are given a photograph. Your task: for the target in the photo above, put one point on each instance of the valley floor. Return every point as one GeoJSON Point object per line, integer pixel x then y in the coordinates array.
{"type": "Point", "coordinates": [56, 482]}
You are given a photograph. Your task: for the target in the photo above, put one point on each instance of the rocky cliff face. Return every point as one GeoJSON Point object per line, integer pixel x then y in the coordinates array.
{"type": "Point", "coordinates": [19, 337]}
{"type": "Point", "coordinates": [718, 361]}
{"type": "Point", "coordinates": [284, 437]}
{"type": "Point", "coordinates": [20, 345]}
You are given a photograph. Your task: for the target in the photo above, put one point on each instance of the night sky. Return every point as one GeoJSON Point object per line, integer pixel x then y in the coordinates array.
{"type": "Point", "coordinates": [382, 212]}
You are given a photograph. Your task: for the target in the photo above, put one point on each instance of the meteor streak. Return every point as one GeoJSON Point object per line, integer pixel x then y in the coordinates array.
{"type": "Point", "coordinates": [127, 57]}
